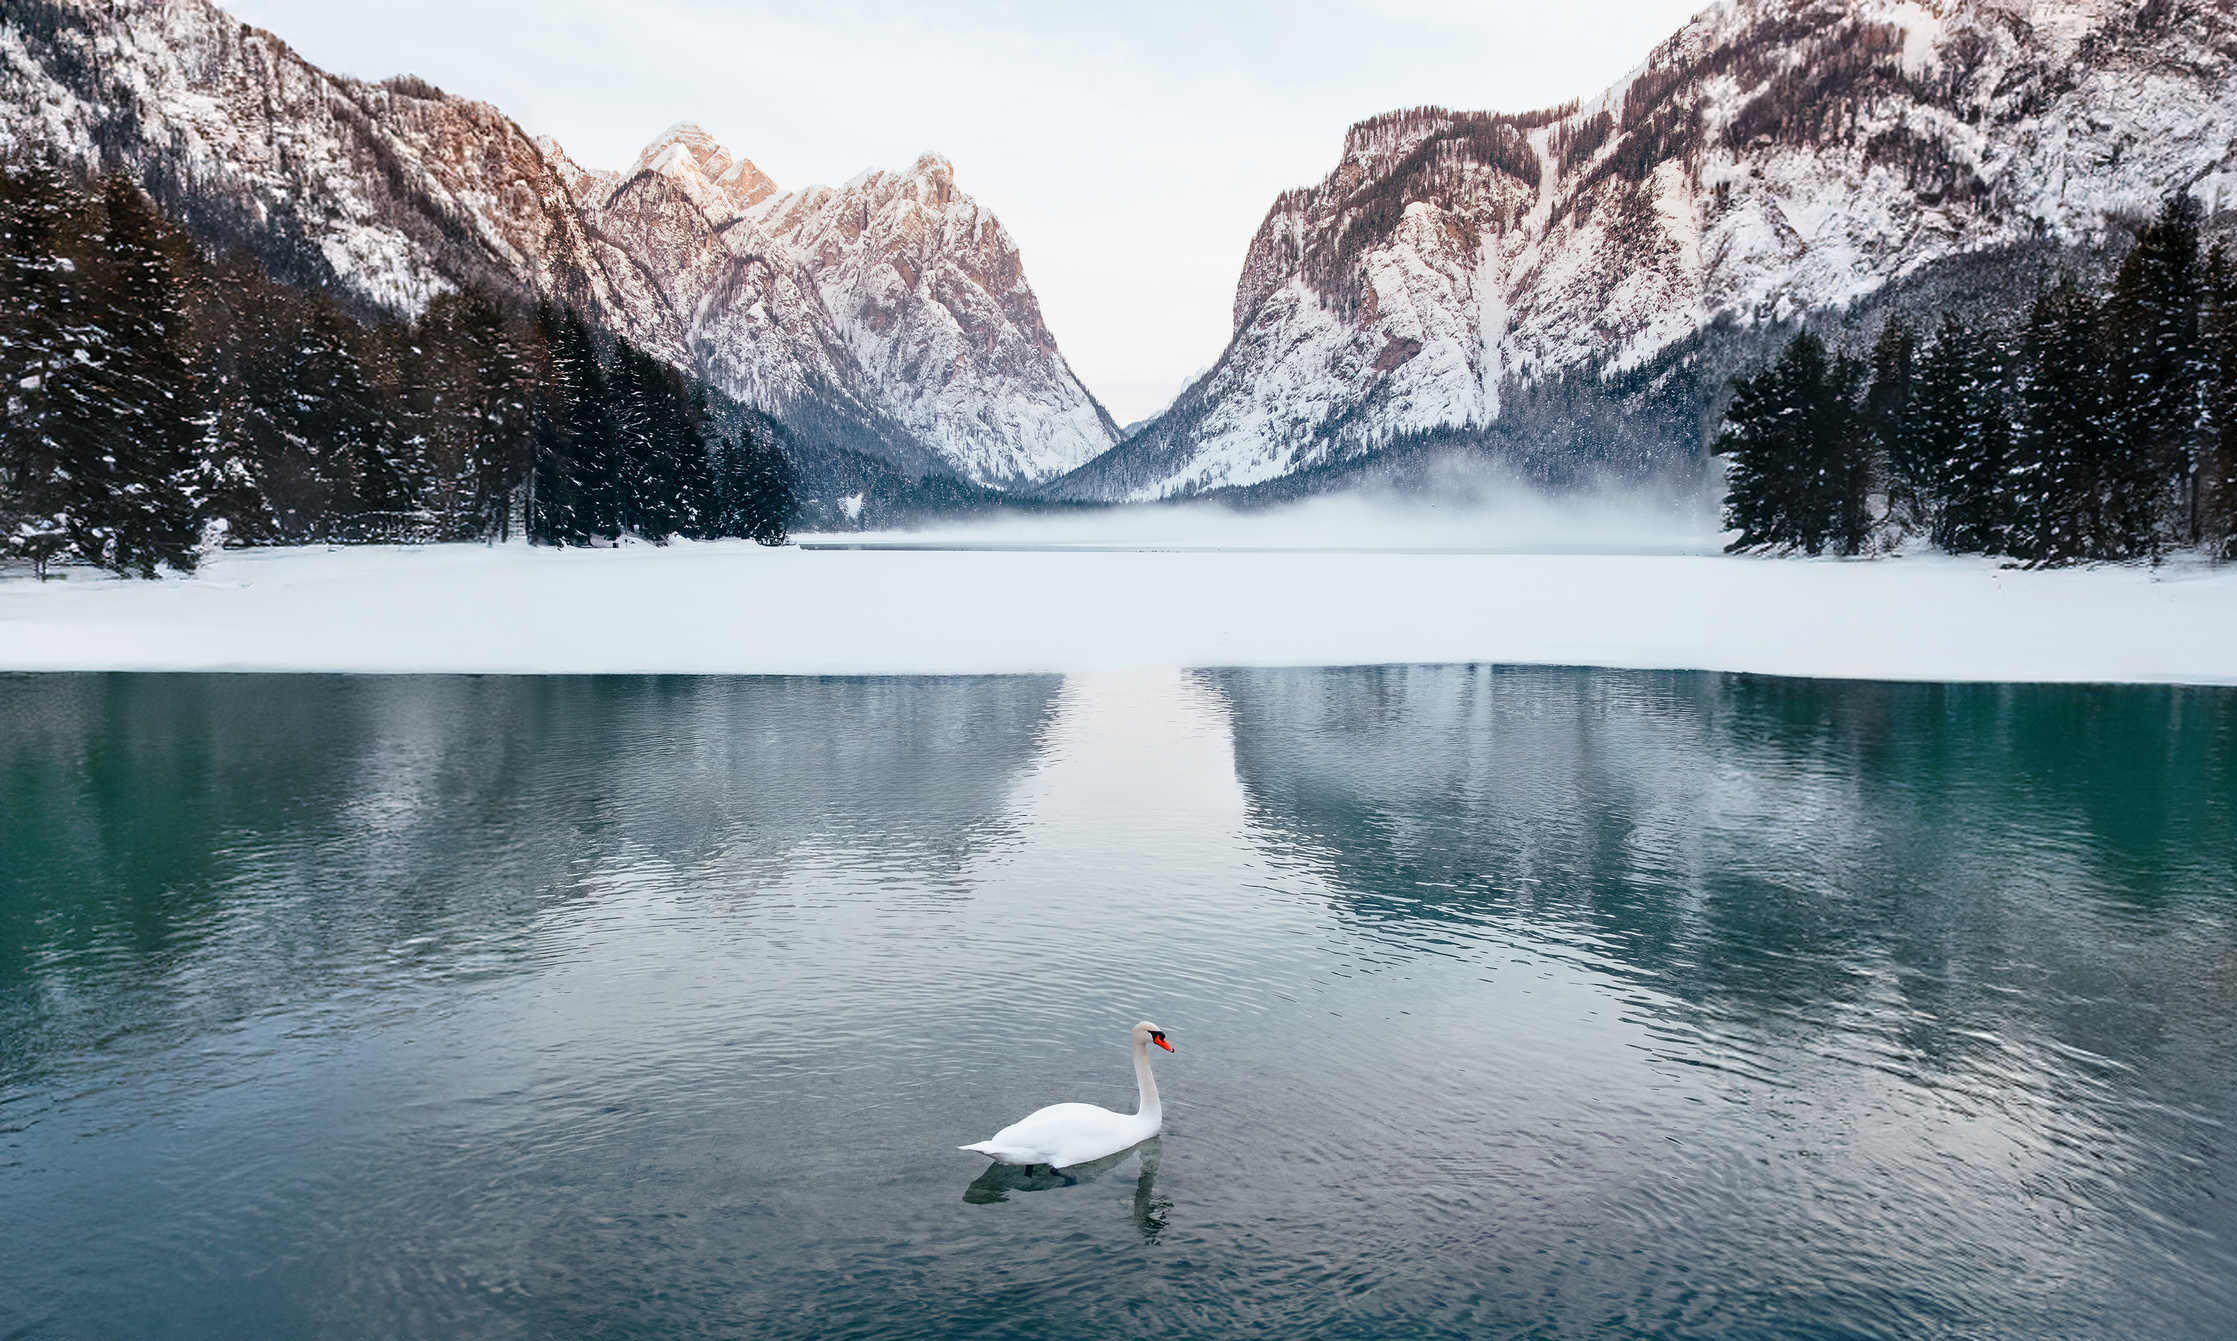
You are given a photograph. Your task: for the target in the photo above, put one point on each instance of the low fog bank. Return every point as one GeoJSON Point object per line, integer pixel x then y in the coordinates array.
{"type": "Point", "coordinates": [1481, 510]}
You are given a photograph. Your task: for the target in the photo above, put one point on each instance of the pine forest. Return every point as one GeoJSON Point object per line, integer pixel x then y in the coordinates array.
{"type": "Point", "coordinates": [2103, 426]}
{"type": "Point", "coordinates": [162, 397]}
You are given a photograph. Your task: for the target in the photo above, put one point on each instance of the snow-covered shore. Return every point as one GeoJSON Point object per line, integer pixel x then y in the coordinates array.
{"type": "Point", "coordinates": [733, 608]}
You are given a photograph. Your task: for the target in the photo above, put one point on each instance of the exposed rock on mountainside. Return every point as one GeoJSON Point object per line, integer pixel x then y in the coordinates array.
{"type": "Point", "coordinates": [890, 315]}
{"type": "Point", "coordinates": [1775, 158]}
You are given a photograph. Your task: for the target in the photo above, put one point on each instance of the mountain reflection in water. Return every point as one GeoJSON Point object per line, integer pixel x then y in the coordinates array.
{"type": "Point", "coordinates": [1540, 1001]}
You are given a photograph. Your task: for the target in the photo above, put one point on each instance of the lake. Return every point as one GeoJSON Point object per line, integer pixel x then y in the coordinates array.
{"type": "Point", "coordinates": [1534, 1002]}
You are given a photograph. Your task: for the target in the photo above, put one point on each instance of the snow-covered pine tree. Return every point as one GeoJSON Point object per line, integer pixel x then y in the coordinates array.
{"type": "Point", "coordinates": [1964, 433]}
{"type": "Point", "coordinates": [1934, 450]}
{"type": "Point", "coordinates": [152, 499]}
{"type": "Point", "coordinates": [2217, 482]}
{"type": "Point", "coordinates": [243, 369]}
{"type": "Point", "coordinates": [1988, 441]}
{"type": "Point", "coordinates": [575, 483]}
{"type": "Point", "coordinates": [454, 417]}
{"type": "Point", "coordinates": [499, 391]}
{"type": "Point", "coordinates": [548, 503]}
{"type": "Point", "coordinates": [1801, 455]}
{"type": "Point", "coordinates": [1890, 405]}
{"type": "Point", "coordinates": [87, 412]}
{"type": "Point", "coordinates": [1757, 441]}
{"type": "Point", "coordinates": [1846, 450]}
{"type": "Point", "coordinates": [37, 302]}
{"type": "Point", "coordinates": [694, 459]}
{"type": "Point", "coordinates": [666, 484]}
{"type": "Point", "coordinates": [756, 484]}
{"type": "Point", "coordinates": [380, 470]}
{"type": "Point", "coordinates": [2062, 451]}
{"type": "Point", "coordinates": [777, 500]}
{"type": "Point", "coordinates": [2155, 396]}
{"type": "Point", "coordinates": [630, 410]}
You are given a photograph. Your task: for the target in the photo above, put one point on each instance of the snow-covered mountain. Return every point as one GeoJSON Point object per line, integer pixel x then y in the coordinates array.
{"type": "Point", "coordinates": [1774, 158]}
{"type": "Point", "coordinates": [889, 315]}
{"type": "Point", "coordinates": [895, 295]}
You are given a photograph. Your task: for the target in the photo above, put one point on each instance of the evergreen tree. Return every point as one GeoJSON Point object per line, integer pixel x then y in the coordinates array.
{"type": "Point", "coordinates": [1801, 454]}
{"type": "Point", "coordinates": [1890, 406]}
{"type": "Point", "coordinates": [2155, 400]}
{"type": "Point", "coordinates": [661, 458]}
{"type": "Point", "coordinates": [151, 503]}
{"type": "Point", "coordinates": [379, 472]}
{"type": "Point", "coordinates": [548, 507]}
{"type": "Point", "coordinates": [1757, 441]}
{"type": "Point", "coordinates": [81, 402]}
{"type": "Point", "coordinates": [1845, 446]}
{"type": "Point", "coordinates": [1984, 509]}
{"type": "Point", "coordinates": [630, 414]}
{"type": "Point", "coordinates": [242, 368]}
{"type": "Point", "coordinates": [2063, 451]}
{"type": "Point", "coordinates": [576, 485]}
{"type": "Point", "coordinates": [323, 423]}
{"type": "Point", "coordinates": [700, 512]}
{"type": "Point", "coordinates": [1934, 450]}
{"type": "Point", "coordinates": [501, 389]}
{"type": "Point", "coordinates": [1963, 439]}
{"type": "Point", "coordinates": [103, 422]}
{"type": "Point", "coordinates": [2217, 475]}
{"type": "Point", "coordinates": [106, 437]}
{"type": "Point", "coordinates": [755, 486]}
{"type": "Point", "coordinates": [38, 316]}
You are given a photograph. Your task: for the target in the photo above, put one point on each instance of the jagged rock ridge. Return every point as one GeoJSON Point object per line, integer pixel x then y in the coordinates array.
{"type": "Point", "coordinates": [891, 314]}
{"type": "Point", "coordinates": [1774, 158]}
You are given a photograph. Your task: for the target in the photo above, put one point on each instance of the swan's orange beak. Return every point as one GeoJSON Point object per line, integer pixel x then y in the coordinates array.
{"type": "Point", "coordinates": [1159, 1040]}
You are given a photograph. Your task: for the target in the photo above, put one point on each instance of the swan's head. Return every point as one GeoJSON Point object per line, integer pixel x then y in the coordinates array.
{"type": "Point", "coordinates": [1145, 1032]}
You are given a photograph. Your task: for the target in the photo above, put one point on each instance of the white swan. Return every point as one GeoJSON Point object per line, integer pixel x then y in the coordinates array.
{"type": "Point", "coordinates": [1062, 1135]}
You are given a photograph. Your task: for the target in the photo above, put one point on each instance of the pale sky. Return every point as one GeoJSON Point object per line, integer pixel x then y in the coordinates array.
{"type": "Point", "coordinates": [1130, 149]}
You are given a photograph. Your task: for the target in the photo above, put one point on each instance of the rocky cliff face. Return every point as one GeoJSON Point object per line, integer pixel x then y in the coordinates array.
{"type": "Point", "coordinates": [890, 315]}
{"type": "Point", "coordinates": [930, 297]}
{"type": "Point", "coordinates": [1774, 158]}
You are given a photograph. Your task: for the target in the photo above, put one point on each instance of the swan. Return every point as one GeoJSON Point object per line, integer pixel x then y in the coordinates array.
{"type": "Point", "coordinates": [1062, 1135]}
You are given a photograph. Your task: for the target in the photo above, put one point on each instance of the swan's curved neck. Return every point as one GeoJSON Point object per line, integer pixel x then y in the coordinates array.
{"type": "Point", "coordinates": [1144, 1082]}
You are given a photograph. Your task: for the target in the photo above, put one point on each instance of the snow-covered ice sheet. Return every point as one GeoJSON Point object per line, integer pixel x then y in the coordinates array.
{"type": "Point", "coordinates": [732, 607]}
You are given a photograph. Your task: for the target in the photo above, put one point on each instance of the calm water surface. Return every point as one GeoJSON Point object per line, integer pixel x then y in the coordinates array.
{"type": "Point", "coordinates": [1507, 1002]}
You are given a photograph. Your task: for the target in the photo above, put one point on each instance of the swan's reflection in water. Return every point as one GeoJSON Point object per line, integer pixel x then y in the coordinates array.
{"type": "Point", "coordinates": [1151, 1211]}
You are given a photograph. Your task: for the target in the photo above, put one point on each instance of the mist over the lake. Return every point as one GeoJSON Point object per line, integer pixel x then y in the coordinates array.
{"type": "Point", "coordinates": [1472, 506]}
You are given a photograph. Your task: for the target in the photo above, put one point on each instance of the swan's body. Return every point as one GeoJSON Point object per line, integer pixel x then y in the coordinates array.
{"type": "Point", "coordinates": [1062, 1135]}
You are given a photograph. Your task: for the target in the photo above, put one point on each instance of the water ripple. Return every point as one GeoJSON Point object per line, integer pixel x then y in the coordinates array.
{"type": "Point", "coordinates": [1524, 1003]}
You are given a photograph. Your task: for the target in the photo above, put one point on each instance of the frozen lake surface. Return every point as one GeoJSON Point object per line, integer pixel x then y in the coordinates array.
{"type": "Point", "coordinates": [735, 608]}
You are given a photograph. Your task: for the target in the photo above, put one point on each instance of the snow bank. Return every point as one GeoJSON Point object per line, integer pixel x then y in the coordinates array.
{"type": "Point", "coordinates": [732, 607]}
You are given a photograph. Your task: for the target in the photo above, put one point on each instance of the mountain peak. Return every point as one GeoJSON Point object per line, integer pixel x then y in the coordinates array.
{"type": "Point", "coordinates": [934, 178]}
{"type": "Point", "coordinates": [930, 179]}
{"type": "Point", "coordinates": [1774, 158]}
{"type": "Point", "coordinates": [689, 133]}
{"type": "Point", "coordinates": [893, 322]}
{"type": "Point", "coordinates": [722, 183]}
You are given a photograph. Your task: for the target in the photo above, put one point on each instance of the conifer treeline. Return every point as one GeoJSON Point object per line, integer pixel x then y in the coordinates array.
{"type": "Point", "coordinates": [2103, 427]}
{"type": "Point", "coordinates": [150, 392]}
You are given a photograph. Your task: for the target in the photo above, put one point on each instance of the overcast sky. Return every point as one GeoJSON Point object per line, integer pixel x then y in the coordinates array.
{"type": "Point", "coordinates": [1131, 149]}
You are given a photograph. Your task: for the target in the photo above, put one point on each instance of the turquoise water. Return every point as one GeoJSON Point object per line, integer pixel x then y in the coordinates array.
{"type": "Point", "coordinates": [1532, 1002]}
